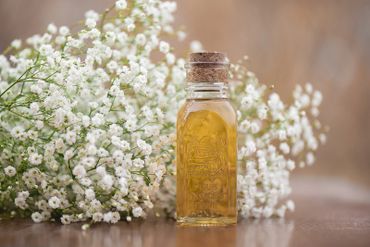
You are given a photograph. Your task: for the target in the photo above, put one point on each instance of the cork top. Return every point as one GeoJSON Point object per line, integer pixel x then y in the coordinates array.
{"type": "Point", "coordinates": [207, 67]}
{"type": "Point", "coordinates": [209, 58]}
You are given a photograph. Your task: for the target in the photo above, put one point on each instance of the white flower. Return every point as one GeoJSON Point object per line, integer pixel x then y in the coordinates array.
{"type": "Point", "coordinates": [91, 14]}
{"type": "Point", "coordinates": [10, 171]}
{"type": "Point", "coordinates": [112, 66]}
{"type": "Point", "coordinates": [90, 23]}
{"type": "Point", "coordinates": [68, 154]}
{"type": "Point", "coordinates": [64, 31]}
{"type": "Point", "coordinates": [122, 144]}
{"type": "Point", "coordinates": [310, 158]}
{"type": "Point", "coordinates": [290, 165]}
{"type": "Point", "coordinates": [54, 202]}
{"type": "Point", "coordinates": [250, 147]}
{"type": "Point", "coordinates": [17, 131]}
{"type": "Point", "coordinates": [20, 202]}
{"type": "Point", "coordinates": [36, 89]}
{"type": "Point", "coordinates": [144, 147]}
{"type": "Point", "coordinates": [102, 153]}
{"type": "Point", "coordinates": [35, 159]}
{"type": "Point", "coordinates": [247, 102]}
{"type": "Point", "coordinates": [16, 44]}
{"type": "Point", "coordinates": [262, 112]}
{"type": "Point", "coordinates": [66, 219]}
{"type": "Point", "coordinates": [315, 111]}
{"type": "Point", "coordinates": [130, 25]}
{"type": "Point", "coordinates": [107, 217]}
{"type": "Point", "coordinates": [107, 182]}
{"type": "Point", "coordinates": [297, 147]}
{"type": "Point", "coordinates": [140, 39]}
{"type": "Point", "coordinates": [290, 205]}
{"type": "Point", "coordinates": [36, 217]}
{"type": "Point", "coordinates": [101, 171]}
{"type": "Point", "coordinates": [282, 135]}
{"type": "Point", "coordinates": [284, 147]}
{"type": "Point", "coordinates": [196, 46]}
{"type": "Point", "coordinates": [139, 163]}
{"type": "Point", "coordinates": [90, 194]}
{"type": "Point", "coordinates": [115, 217]}
{"type": "Point", "coordinates": [317, 98]}
{"type": "Point", "coordinates": [170, 58]}
{"type": "Point", "coordinates": [255, 127]}
{"type": "Point", "coordinates": [137, 212]}
{"type": "Point", "coordinates": [85, 121]}
{"type": "Point", "coordinates": [97, 217]}
{"type": "Point", "coordinates": [164, 47]}
{"type": "Point", "coordinates": [52, 28]}
{"type": "Point", "coordinates": [275, 103]}
{"type": "Point", "coordinates": [322, 138]}
{"type": "Point", "coordinates": [91, 149]}
{"type": "Point", "coordinates": [181, 35]}
{"type": "Point", "coordinates": [79, 171]}
{"type": "Point", "coordinates": [98, 119]}
{"type": "Point", "coordinates": [121, 4]}
{"type": "Point", "coordinates": [71, 137]}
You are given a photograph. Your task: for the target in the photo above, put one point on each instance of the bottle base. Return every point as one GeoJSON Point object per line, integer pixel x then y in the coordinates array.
{"type": "Point", "coordinates": [206, 221]}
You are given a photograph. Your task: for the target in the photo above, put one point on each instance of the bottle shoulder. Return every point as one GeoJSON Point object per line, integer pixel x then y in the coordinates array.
{"type": "Point", "coordinates": [221, 107]}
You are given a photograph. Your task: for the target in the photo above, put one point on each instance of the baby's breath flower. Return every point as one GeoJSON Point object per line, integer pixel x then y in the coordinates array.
{"type": "Point", "coordinates": [164, 47]}
{"type": "Point", "coordinates": [107, 217]}
{"type": "Point", "coordinates": [54, 202]}
{"type": "Point", "coordinates": [16, 44]}
{"type": "Point", "coordinates": [63, 30]}
{"type": "Point", "coordinates": [196, 46]}
{"type": "Point", "coordinates": [137, 211]}
{"type": "Point", "coordinates": [121, 4]}
{"type": "Point", "coordinates": [90, 23]}
{"type": "Point", "coordinates": [290, 205]}
{"type": "Point", "coordinates": [310, 158]}
{"type": "Point", "coordinates": [10, 171]}
{"type": "Point", "coordinates": [35, 159]}
{"type": "Point", "coordinates": [79, 171]}
{"type": "Point", "coordinates": [36, 217]}
{"type": "Point", "coordinates": [181, 35]}
{"type": "Point", "coordinates": [66, 219]}
{"type": "Point", "coordinates": [52, 28]}
{"type": "Point", "coordinates": [95, 134]}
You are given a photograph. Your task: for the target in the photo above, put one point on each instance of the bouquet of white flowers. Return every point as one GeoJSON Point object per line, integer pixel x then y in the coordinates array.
{"type": "Point", "coordinates": [87, 122]}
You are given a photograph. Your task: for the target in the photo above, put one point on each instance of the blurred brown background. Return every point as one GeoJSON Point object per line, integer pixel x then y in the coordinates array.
{"type": "Point", "coordinates": [288, 42]}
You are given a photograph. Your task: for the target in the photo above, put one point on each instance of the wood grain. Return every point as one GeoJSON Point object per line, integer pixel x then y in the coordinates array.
{"type": "Point", "coordinates": [329, 213]}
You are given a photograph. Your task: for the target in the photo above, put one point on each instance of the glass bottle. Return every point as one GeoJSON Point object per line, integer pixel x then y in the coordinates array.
{"type": "Point", "coordinates": [206, 149]}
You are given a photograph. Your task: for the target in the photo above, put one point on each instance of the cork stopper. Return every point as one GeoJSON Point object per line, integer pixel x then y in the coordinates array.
{"type": "Point", "coordinates": [207, 67]}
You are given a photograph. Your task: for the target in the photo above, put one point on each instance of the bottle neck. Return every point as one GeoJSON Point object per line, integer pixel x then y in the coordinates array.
{"type": "Point", "coordinates": [207, 90]}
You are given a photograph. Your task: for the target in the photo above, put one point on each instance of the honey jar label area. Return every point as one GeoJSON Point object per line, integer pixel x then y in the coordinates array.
{"type": "Point", "coordinates": [207, 166]}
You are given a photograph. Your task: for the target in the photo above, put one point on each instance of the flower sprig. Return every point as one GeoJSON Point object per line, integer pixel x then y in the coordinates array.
{"type": "Point", "coordinates": [83, 123]}
{"type": "Point", "coordinates": [87, 122]}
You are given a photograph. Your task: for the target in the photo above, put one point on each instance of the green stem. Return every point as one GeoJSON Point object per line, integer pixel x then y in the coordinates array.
{"type": "Point", "coordinates": [16, 81]}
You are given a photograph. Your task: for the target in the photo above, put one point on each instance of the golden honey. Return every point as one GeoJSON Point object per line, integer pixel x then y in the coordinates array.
{"type": "Point", "coordinates": [206, 157]}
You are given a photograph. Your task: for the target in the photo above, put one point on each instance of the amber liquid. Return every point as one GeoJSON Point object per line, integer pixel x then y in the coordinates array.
{"type": "Point", "coordinates": [206, 163]}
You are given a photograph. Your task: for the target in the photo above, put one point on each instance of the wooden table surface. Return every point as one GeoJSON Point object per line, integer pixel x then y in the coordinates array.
{"type": "Point", "coordinates": [328, 213]}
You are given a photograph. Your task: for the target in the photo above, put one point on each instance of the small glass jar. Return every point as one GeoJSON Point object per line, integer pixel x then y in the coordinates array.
{"type": "Point", "coordinates": [206, 149]}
